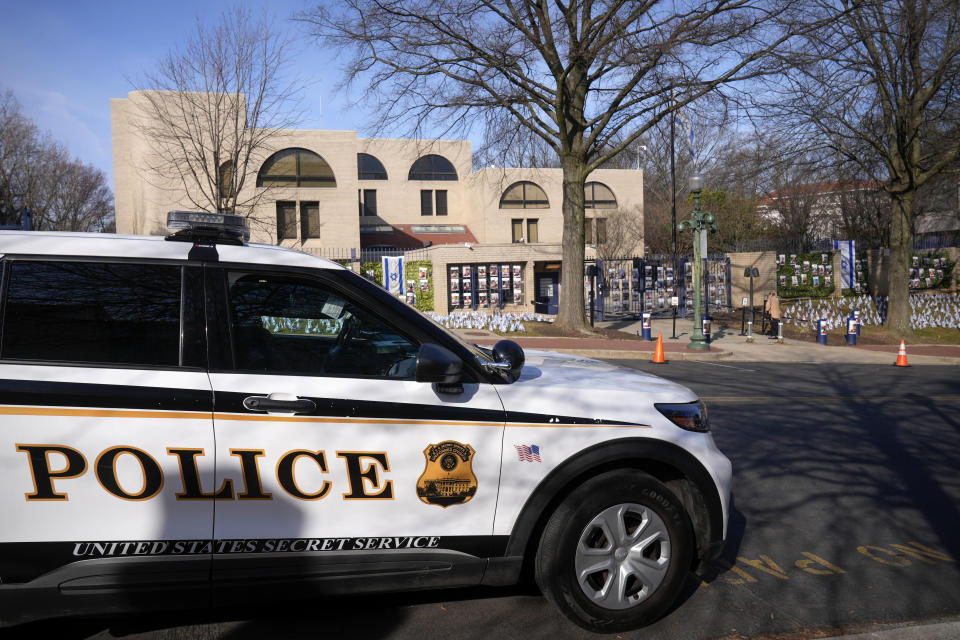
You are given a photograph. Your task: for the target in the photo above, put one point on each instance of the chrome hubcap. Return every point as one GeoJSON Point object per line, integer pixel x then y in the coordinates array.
{"type": "Point", "coordinates": [622, 556]}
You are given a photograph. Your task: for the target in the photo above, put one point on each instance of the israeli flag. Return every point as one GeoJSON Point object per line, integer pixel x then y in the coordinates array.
{"type": "Point", "coordinates": [686, 132]}
{"type": "Point", "coordinates": [848, 255]}
{"type": "Point", "coordinates": [393, 274]}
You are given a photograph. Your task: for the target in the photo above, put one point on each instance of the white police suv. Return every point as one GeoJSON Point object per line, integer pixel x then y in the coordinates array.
{"type": "Point", "coordinates": [193, 420]}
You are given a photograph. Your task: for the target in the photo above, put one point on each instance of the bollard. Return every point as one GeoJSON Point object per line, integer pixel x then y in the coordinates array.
{"type": "Point", "coordinates": [822, 331]}
{"type": "Point", "coordinates": [749, 330]}
{"type": "Point", "coordinates": [646, 326]}
{"type": "Point", "coordinates": [851, 331]}
{"type": "Point", "coordinates": [706, 328]}
{"type": "Point", "coordinates": [780, 331]}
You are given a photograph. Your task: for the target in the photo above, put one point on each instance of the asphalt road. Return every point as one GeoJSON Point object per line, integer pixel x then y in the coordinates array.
{"type": "Point", "coordinates": [846, 516]}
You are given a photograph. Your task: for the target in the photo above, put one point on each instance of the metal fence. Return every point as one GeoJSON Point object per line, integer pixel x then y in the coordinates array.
{"type": "Point", "coordinates": [937, 241]}
{"type": "Point", "coordinates": [627, 287]}
{"type": "Point", "coordinates": [779, 245]}
{"type": "Point", "coordinates": [352, 254]}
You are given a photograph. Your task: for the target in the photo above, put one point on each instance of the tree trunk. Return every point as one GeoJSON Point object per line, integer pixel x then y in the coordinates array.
{"type": "Point", "coordinates": [901, 244]}
{"type": "Point", "coordinates": [571, 312]}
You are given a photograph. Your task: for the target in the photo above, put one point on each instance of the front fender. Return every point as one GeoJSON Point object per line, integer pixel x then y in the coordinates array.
{"type": "Point", "coordinates": [667, 462]}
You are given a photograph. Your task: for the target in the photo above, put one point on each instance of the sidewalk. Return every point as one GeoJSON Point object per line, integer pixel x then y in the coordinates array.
{"type": "Point", "coordinates": [935, 630]}
{"type": "Point", "coordinates": [726, 345]}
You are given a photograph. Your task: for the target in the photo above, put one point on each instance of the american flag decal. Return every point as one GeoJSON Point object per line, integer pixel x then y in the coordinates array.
{"type": "Point", "coordinates": [528, 454]}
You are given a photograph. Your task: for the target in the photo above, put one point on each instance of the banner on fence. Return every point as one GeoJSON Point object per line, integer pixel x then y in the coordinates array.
{"type": "Point", "coordinates": [393, 274]}
{"type": "Point", "coordinates": [848, 256]}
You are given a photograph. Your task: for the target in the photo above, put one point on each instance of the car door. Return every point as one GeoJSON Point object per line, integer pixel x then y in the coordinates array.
{"type": "Point", "coordinates": [347, 474]}
{"type": "Point", "coordinates": [103, 394]}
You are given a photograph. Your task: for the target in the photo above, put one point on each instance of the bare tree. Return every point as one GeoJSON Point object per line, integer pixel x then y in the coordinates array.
{"type": "Point", "coordinates": [878, 84]}
{"type": "Point", "coordinates": [864, 213]}
{"type": "Point", "coordinates": [795, 212]}
{"type": "Point", "coordinates": [623, 235]}
{"type": "Point", "coordinates": [81, 200]}
{"type": "Point", "coordinates": [587, 78]}
{"type": "Point", "coordinates": [38, 174]}
{"type": "Point", "coordinates": [211, 109]}
{"type": "Point", "coordinates": [22, 150]}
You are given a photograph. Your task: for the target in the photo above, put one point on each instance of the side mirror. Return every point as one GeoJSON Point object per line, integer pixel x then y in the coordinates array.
{"type": "Point", "coordinates": [437, 364]}
{"type": "Point", "coordinates": [510, 354]}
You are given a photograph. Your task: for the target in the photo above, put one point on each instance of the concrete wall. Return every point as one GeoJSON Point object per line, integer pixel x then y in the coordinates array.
{"type": "Point", "coordinates": [765, 262]}
{"type": "Point", "coordinates": [139, 193]}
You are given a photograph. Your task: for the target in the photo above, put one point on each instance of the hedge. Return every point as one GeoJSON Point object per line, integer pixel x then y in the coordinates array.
{"type": "Point", "coordinates": [411, 271]}
{"type": "Point", "coordinates": [805, 290]}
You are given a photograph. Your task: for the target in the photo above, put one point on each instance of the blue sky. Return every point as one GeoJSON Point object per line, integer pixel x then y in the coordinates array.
{"type": "Point", "coordinates": [65, 60]}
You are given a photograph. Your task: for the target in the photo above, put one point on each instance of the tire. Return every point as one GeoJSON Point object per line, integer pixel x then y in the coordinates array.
{"type": "Point", "coordinates": [606, 587]}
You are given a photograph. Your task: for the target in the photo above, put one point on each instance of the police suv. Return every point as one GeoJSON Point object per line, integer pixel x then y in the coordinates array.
{"type": "Point", "coordinates": [195, 420]}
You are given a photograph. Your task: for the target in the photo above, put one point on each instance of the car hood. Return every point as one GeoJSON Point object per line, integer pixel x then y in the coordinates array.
{"type": "Point", "coordinates": [582, 387]}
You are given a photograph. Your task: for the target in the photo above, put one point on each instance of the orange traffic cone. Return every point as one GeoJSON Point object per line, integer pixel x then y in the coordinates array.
{"type": "Point", "coordinates": [902, 356]}
{"type": "Point", "coordinates": [658, 352]}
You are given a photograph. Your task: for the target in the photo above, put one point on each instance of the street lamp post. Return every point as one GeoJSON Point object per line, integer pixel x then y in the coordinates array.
{"type": "Point", "coordinates": [699, 223]}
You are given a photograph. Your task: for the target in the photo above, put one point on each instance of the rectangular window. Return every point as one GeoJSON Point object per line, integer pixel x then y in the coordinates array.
{"type": "Point", "coordinates": [309, 220]}
{"type": "Point", "coordinates": [441, 203]}
{"type": "Point", "coordinates": [532, 234]}
{"type": "Point", "coordinates": [601, 230]}
{"type": "Point", "coordinates": [286, 221]}
{"type": "Point", "coordinates": [588, 231]}
{"type": "Point", "coordinates": [517, 230]}
{"type": "Point", "coordinates": [93, 312]}
{"type": "Point", "coordinates": [426, 202]}
{"type": "Point", "coordinates": [369, 202]}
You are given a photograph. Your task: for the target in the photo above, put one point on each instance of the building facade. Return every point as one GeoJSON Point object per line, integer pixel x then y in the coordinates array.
{"type": "Point", "coordinates": [330, 192]}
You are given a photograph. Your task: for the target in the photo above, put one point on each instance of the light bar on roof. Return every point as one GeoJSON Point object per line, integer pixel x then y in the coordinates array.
{"type": "Point", "coordinates": [202, 223]}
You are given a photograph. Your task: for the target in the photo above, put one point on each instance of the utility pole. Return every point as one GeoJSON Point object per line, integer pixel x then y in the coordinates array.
{"type": "Point", "coordinates": [677, 276]}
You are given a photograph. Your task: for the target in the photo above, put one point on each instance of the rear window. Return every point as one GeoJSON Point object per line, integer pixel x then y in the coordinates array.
{"type": "Point", "coordinates": [91, 312]}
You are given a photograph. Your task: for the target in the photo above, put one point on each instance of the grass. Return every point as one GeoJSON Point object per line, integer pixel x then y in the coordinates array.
{"type": "Point", "coordinates": [871, 334]}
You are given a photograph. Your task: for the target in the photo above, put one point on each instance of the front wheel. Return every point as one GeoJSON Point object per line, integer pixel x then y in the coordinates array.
{"type": "Point", "coordinates": [616, 552]}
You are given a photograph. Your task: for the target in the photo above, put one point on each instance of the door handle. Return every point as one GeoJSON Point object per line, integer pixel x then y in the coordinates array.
{"type": "Point", "coordinates": [279, 403]}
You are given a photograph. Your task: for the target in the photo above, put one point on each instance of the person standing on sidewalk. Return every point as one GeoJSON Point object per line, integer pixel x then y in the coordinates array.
{"type": "Point", "coordinates": [772, 307]}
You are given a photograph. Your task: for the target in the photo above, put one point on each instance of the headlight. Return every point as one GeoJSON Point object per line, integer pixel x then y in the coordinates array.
{"type": "Point", "coordinates": [691, 416]}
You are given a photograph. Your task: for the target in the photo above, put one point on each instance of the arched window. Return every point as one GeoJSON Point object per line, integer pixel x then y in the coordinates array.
{"type": "Point", "coordinates": [226, 179]}
{"type": "Point", "coordinates": [598, 196]}
{"type": "Point", "coordinates": [524, 195]}
{"type": "Point", "coordinates": [295, 168]}
{"type": "Point", "coordinates": [369, 168]}
{"type": "Point", "coordinates": [432, 167]}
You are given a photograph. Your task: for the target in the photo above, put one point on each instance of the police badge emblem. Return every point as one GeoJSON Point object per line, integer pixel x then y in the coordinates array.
{"type": "Point", "coordinates": [447, 478]}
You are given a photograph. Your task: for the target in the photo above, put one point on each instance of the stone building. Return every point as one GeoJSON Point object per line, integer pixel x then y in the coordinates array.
{"type": "Point", "coordinates": [334, 194]}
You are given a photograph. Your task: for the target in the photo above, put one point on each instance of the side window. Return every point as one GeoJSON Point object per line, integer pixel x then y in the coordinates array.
{"type": "Point", "coordinates": [292, 325]}
{"type": "Point", "coordinates": [90, 312]}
